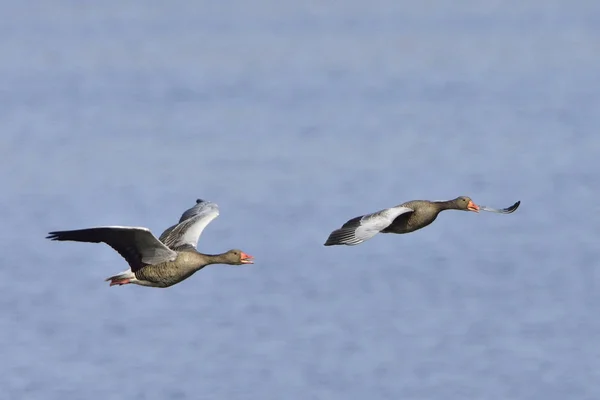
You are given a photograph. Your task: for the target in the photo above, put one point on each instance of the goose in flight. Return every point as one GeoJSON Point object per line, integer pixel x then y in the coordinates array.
{"type": "Point", "coordinates": [159, 263]}
{"type": "Point", "coordinates": [404, 218]}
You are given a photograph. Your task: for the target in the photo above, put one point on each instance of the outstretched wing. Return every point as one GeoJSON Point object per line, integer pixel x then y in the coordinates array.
{"type": "Point", "coordinates": [360, 229]}
{"type": "Point", "coordinates": [136, 245]}
{"type": "Point", "coordinates": [190, 226]}
{"type": "Point", "coordinates": [506, 210]}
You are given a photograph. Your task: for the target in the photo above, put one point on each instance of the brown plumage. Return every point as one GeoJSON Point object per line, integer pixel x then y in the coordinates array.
{"type": "Point", "coordinates": [158, 263]}
{"type": "Point", "coordinates": [185, 265]}
{"type": "Point", "coordinates": [404, 218]}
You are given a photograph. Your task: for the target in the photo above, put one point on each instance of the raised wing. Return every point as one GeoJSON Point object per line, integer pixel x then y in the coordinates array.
{"type": "Point", "coordinates": [190, 226]}
{"type": "Point", "coordinates": [138, 246]}
{"type": "Point", "coordinates": [507, 210]}
{"type": "Point", "coordinates": [360, 229]}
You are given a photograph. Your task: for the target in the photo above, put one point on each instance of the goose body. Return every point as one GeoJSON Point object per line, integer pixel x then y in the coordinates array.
{"type": "Point", "coordinates": [404, 218]}
{"type": "Point", "coordinates": [159, 262]}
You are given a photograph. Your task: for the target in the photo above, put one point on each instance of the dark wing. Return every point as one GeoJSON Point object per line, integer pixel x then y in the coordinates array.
{"type": "Point", "coordinates": [136, 245]}
{"type": "Point", "coordinates": [191, 224]}
{"type": "Point", "coordinates": [360, 229]}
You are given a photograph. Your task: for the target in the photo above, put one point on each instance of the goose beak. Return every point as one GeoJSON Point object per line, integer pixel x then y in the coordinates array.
{"type": "Point", "coordinates": [246, 259]}
{"type": "Point", "coordinates": [472, 207]}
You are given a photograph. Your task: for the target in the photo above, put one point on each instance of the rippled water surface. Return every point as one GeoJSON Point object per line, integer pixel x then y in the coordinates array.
{"type": "Point", "coordinates": [294, 117]}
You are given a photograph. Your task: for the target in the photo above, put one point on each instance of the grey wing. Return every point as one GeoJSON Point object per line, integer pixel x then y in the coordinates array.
{"type": "Point", "coordinates": [190, 226]}
{"type": "Point", "coordinates": [192, 212]}
{"type": "Point", "coordinates": [507, 210]}
{"type": "Point", "coordinates": [360, 229]}
{"type": "Point", "coordinates": [138, 246]}
{"type": "Point", "coordinates": [186, 214]}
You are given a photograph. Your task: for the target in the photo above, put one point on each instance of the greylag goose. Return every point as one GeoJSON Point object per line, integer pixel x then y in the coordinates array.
{"type": "Point", "coordinates": [159, 263]}
{"type": "Point", "coordinates": [404, 218]}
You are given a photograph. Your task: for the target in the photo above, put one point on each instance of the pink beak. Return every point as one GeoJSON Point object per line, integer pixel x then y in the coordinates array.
{"type": "Point", "coordinates": [247, 258]}
{"type": "Point", "coordinates": [472, 207]}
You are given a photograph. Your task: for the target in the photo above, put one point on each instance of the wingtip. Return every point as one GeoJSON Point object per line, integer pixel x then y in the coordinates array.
{"type": "Point", "coordinates": [329, 242]}
{"type": "Point", "coordinates": [515, 206]}
{"type": "Point", "coordinates": [56, 235]}
{"type": "Point", "coordinates": [332, 239]}
{"type": "Point", "coordinates": [342, 236]}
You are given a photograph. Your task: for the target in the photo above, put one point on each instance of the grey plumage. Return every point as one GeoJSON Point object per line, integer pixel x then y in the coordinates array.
{"type": "Point", "coordinates": [415, 215]}
{"type": "Point", "coordinates": [154, 262]}
{"type": "Point", "coordinates": [360, 229]}
{"type": "Point", "coordinates": [191, 224]}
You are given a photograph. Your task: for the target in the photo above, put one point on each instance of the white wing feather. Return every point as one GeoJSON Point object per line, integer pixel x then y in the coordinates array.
{"type": "Point", "coordinates": [360, 229]}
{"type": "Point", "coordinates": [191, 225]}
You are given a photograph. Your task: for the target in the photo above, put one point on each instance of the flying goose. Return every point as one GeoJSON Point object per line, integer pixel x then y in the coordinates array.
{"type": "Point", "coordinates": [404, 218]}
{"type": "Point", "coordinates": [159, 263]}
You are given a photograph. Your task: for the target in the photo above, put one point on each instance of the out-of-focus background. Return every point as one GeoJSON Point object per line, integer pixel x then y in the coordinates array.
{"type": "Point", "coordinates": [295, 116]}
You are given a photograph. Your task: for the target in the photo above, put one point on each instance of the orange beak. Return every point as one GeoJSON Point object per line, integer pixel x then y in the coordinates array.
{"type": "Point", "coordinates": [472, 207]}
{"type": "Point", "coordinates": [246, 258]}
